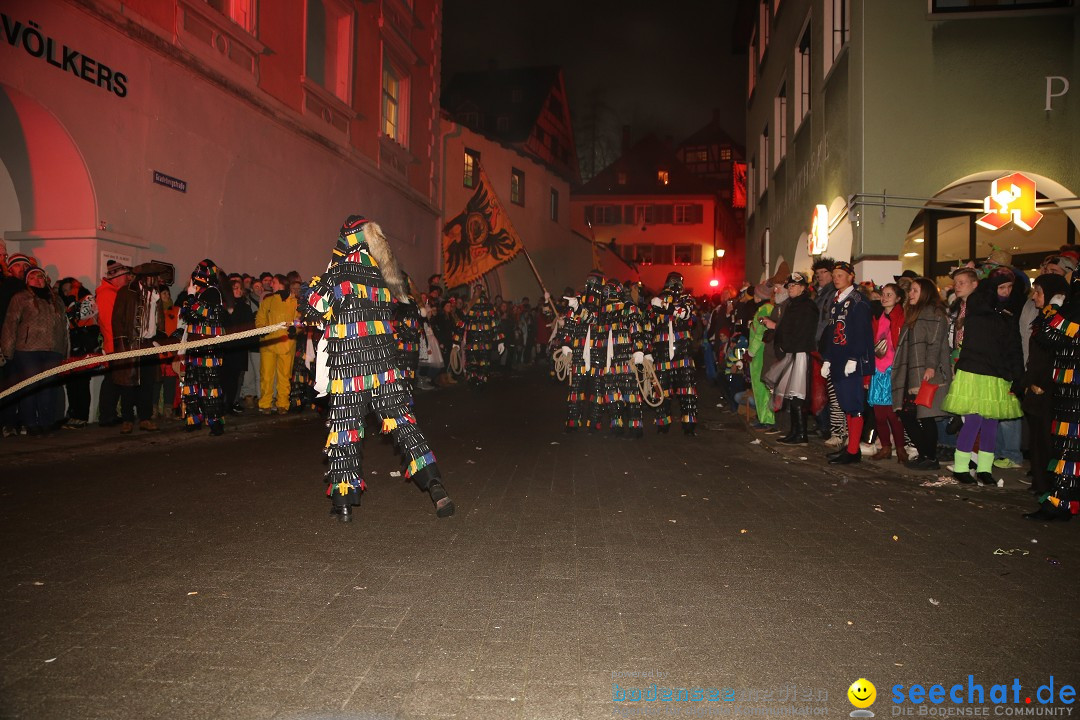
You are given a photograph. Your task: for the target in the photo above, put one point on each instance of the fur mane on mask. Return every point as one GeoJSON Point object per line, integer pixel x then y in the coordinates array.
{"type": "Point", "coordinates": [379, 247]}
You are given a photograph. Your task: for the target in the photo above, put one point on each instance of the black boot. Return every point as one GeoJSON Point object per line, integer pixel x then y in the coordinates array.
{"type": "Point", "coordinates": [793, 409]}
{"type": "Point", "coordinates": [798, 425]}
{"type": "Point", "coordinates": [444, 506]}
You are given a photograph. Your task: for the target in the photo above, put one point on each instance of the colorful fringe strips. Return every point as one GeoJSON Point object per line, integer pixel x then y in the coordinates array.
{"type": "Point", "coordinates": [359, 383]}
{"type": "Point", "coordinates": [370, 292]}
{"type": "Point", "coordinates": [206, 330]}
{"type": "Point", "coordinates": [345, 437]}
{"type": "Point", "coordinates": [1065, 429]}
{"type": "Point", "coordinates": [1059, 323]}
{"type": "Point", "coordinates": [357, 329]}
{"type": "Point", "coordinates": [420, 463]}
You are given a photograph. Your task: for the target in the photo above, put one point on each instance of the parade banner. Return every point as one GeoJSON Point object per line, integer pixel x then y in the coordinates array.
{"type": "Point", "coordinates": [479, 238]}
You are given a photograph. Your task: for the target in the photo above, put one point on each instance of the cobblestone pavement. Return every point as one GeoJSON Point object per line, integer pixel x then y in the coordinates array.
{"type": "Point", "coordinates": [173, 576]}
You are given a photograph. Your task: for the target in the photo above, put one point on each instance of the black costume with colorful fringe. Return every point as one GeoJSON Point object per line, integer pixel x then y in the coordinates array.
{"type": "Point", "coordinates": [354, 301]}
{"type": "Point", "coordinates": [201, 390]}
{"type": "Point", "coordinates": [407, 336]}
{"type": "Point", "coordinates": [620, 336]}
{"type": "Point", "coordinates": [670, 324]}
{"type": "Point", "coordinates": [579, 335]}
{"type": "Point", "coordinates": [1063, 335]}
{"type": "Point", "coordinates": [302, 384]}
{"type": "Point", "coordinates": [478, 335]}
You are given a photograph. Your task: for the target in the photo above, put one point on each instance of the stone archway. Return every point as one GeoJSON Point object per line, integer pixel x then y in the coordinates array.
{"type": "Point", "coordinates": [46, 175]}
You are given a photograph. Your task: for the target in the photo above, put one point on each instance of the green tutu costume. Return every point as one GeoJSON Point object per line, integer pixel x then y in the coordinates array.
{"type": "Point", "coordinates": [984, 395]}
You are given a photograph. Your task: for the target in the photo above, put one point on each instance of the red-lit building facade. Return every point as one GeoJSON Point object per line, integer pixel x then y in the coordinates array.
{"type": "Point", "coordinates": [241, 130]}
{"type": "Point", "coordinates": [655, 213]}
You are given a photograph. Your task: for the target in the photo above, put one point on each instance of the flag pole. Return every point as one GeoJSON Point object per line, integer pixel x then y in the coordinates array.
{"type": "Point", "coordinates": [539, 279]}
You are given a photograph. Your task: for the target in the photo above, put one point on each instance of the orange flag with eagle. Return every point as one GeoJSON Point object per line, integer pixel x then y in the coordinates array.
{"type": "Point", "coordinates": [479, 238]}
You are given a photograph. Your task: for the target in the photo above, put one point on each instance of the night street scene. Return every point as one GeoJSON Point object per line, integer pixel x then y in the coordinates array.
{"type": "Point", "coordinates": [391, 359]}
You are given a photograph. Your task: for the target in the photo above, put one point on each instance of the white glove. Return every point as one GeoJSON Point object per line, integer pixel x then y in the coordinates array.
{"type": "Point", "coordinates": [547, 296]}
{"type": "Point", "coordinates": [501, 347]}
{"type": "Point", "coordinates": [850, 366]}
{"type": "Point", "coordinates": [656, 302]}
{"type": "Point", "coordinates": [423, 311]}
{"type": "Point", "coordinates": [639, 358]}
{"type": "Point", "coordinates": [456, 347]}
{"type": "Point", "coordinates": [191, 289]}
{"type": "Point", "coordinates": [649, 357]}
{"type": "Point", "coordinates": [1058, 300]}
{"type": "Point", "coordinates": [566, 350]}
{"type": "Point", "coordinates": [825, 369]}
{"type": "Point", "coordinates": [682, 313]}
{"type": "Point", "coordinates": [571, 301]}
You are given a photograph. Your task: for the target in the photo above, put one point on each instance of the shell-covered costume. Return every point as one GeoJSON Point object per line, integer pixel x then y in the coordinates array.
{"type": "Point", "coordinates": [354, 300]}
{"type": "Point", "coordinates": [478, 334]}
{"type": "Point", "coordinates": [201, 391]}
{"type": "Point", "coordinates": [670, 322]}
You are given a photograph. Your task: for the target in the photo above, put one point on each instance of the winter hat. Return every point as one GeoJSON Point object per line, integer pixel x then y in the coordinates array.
{"type": "Point", "coordinates": [115, 270]}
{"type": "Point", "coordinates": [33, 270]}
{"type": "Point", "coordinates": [17, 258]}
{"type": "Point", "coordinates": [845, 266]}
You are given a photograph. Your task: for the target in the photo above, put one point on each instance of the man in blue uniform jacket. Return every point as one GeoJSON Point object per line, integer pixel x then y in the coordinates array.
{"type": "Point", "coordinates": [848, 349]}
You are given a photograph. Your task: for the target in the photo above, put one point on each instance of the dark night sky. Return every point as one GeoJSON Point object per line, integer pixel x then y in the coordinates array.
{"type": "Point", "coordinates": [656, 66]}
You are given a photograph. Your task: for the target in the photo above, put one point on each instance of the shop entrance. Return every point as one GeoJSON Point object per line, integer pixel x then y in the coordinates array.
{"type": "Point", "coordinates": [944, 234]}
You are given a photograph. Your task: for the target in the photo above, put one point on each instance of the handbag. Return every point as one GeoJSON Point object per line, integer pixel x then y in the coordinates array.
{"type": "Point", "coordinates": [881, 347]}
{"type": "Point", "coordinates": [925, 396]}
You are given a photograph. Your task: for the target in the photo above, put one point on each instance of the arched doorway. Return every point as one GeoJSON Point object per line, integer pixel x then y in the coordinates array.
{"type": "Point", "coordinates": [944, 234]}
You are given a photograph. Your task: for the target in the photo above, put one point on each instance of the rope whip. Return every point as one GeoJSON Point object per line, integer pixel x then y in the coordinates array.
{"type": "Point", "coordinates": [457, 360]}
{"type": "Point", "coordinates": [180, 348]}
{"type": "Point", "coordinates": [563, 363]}
{"type": "Point", "coordinates": [652, 393]}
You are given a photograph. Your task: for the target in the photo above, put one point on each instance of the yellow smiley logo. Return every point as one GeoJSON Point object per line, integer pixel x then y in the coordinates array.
{"type": "Point", "coordinates": [862, 693]}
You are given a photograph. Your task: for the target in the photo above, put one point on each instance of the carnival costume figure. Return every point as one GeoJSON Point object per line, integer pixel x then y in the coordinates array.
{"type": "Point", "coordinates": [359, 365]}
{"type": "Point", "coordinates": [578, 336]}
{"type": "Point", "coordinates": [621, 346]}
{"type": "Point", "coordinates": [203, 311]}
{"type": "Point", "coordinates": [848, 352]}
{"type": "Point", "coordinates": [479, 334]}
{"type": "Point", "coordinates": [671, 318]}
{"type": "Point", "coordinates": [1059, 326]}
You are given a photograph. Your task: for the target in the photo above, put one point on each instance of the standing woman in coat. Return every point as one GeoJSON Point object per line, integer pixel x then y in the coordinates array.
{"type": "Point", "coordinates": [887, 328]}
{"type": "Point", "coordinates": [756, 351]}
{"type": "Point", "coordinates": [922, 355]}
{"type": "Point", "coordinates": [35, 338]}
{"type": "Point", "coordinates": [990, 362]}
{"type": "Point", "coordinates": [795, 336]}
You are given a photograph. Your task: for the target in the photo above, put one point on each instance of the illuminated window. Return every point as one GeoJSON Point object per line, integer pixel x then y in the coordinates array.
{"type": "Point", "coordinates": [328, 53]}
{"type": "Point", "coordinates": [395, 103]}
{"type": "Point", "coordinates": [725, 153]}
{"type": "Point", "coordinates": [685, 254]}
{"type": "Point", "coordinates": [471, 176]}
{"type": "Point", "coordinates": [241, 12]}
{"type": "Point", "coordinates": [780, 123]}
{"type": "Point", "coordinates": [644, 255]}
{"type": "Point", "coordinates": [697, 155]}
{"type": "Point", "coordinates": [663, 177]}
{"type": "Point", "coordinates": [553, 208]}
{"type": "Point", "coordinates": [801, 97]}
{"type": "Point", "coordinates": [517, 186]}
{"type": "Point", "coordinates": [837, 30]}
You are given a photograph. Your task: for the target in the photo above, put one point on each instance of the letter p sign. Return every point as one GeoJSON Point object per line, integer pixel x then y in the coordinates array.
{"type": "Point", "coordinates": [1011, 199]}
{"type": "Point", "coordinates": [1050, 94]}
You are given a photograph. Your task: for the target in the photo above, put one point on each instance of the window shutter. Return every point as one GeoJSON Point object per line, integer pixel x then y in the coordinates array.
{"type": "Point", "coordinates": [628, 215]}
{"type": "Point", "coordinates": [695, 254]}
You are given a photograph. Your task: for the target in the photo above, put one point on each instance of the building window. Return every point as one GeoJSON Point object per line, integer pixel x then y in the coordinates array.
{"type": "Point", "coordinates": [663, 255]}
{"type": "Point", "coordinates": [328, 55]}
{"type": "Point", "coordinates": [553, 209]}
{"type": "Point", "coordinates": [663, 177]}
{"type": "Point", "coordinates": [801, 96]}
{"type": "Point", "coordinates": [780, 123]}
{"type": "Point", "coordinates": [763, 166]}
{"type": "Point", "coordinates": [763, 24]}
{"type": "Point", "coordinates": [688, 214]}
{"type": "Point", "coordinates": [837, 30]}
{"type": "Point", "coordinates": [664, 214]}
{"type": "Point", "coordinates": [241, 12]}
{"type": "Point", "coordinates": [603, 214]}
{"type": "Point", "coordinates": [620, 178]}
{"type": "Point", "coordinates": [470, 178]}
{"type": "Point", "coordinates": [725, 153]}
{"type": "Point", "coordinates": [517, 186]}
{"type": "Point", "coordinates": [644, 255]}
{"type": "Point", "coordinates": [641, 216]}
{"type": "Point", "coordinates": [964, 6]}
{"type": "Point", "coordinates": [753, 64]}
{"type": "Point", "coordinates": [394, 104]}
{"type": "Point", "coordinates": [684, 254]}
{"type": "Point", "coordinates": [751, 185]}
{"type": "Point", "coordinates": [697, 155]}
